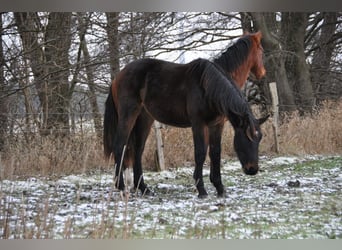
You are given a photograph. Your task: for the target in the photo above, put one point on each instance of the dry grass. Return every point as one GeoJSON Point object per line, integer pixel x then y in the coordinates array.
{"type": "Point", "coordinates": [315, 134]}
{"type": "Point", "coordinates": [53, 157]}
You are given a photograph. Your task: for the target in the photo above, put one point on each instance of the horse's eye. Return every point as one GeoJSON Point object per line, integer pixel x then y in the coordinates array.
{"type": "Point", "coordinates": [257, 135]}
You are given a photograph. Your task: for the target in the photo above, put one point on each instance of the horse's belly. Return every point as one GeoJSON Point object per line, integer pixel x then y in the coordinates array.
{"type": "Point", "coordinates": [170, 114]}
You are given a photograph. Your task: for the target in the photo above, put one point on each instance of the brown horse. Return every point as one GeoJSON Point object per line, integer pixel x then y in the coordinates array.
{"type": "Point", "coordinates": [200, 95]}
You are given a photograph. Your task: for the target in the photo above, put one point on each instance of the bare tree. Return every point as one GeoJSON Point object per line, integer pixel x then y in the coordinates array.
{"type": "Point", "coordinates": [3, 98]}
{"type": "Point", "coordinates": [293, 30]}
{"type": "Point", "coordinates": [49, 61]}
{"type": "Point", "coordinates": [299, 48]}
{"type": "Point", "coordinates": [323, 49]}
{"type": "Point", "coordinates": [112, 29]}
{"type": "Point", "coordinates": [275, 60]}
{"type": "Point", "coordinates": [28, 25]}
{"type": "Point", "coordinates": [83, 22]}
{"type": "Point", "coordinates": [57, 45]}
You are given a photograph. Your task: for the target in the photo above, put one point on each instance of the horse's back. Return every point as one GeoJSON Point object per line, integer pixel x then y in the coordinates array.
{"type": "Point", "coordinates": [162, 88]}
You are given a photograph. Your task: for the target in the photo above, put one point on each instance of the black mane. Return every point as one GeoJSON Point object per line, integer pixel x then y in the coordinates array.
{"type": "Point", "coordinates": [235, 55]}
{"type": "Point", "coordinates": [220, 89]}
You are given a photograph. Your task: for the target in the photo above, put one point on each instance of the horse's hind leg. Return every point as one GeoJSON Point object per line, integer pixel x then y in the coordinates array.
{"type": "Point", "coordinates": [126, 122]}
{"type": "Point", "coordinates": [140, 133]}
{"type": "Point", "coordinates": [128, 165]}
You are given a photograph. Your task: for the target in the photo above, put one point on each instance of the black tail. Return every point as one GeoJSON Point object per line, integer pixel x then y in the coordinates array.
{"type": "Point", "coordinates": [109, 125]}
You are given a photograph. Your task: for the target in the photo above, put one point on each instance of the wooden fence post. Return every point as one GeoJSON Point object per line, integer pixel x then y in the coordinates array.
{"type": "Point", "coordinates": [160, 153]}
{"type": "Point", "coordinates": [275, 108]}
{"type": "Point", "coordinates": [2, 169]}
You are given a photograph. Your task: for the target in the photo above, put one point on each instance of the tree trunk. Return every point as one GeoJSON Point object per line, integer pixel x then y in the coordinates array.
{"type": "Point", "coordinates": [49, 66]}
{"type": "Point", "coordinates": [112, 29]}
{"type": "Point", "coordinates": [274, 60]}
{"type": "Point", "coordinates": [28, 25]}
{"type": "Point", "coordinates": [24, 83]}
{"type": "Point", "coordinates": [293, 27]}
{"type": "Point", "coordinates": [3, 98]}
{"type": "Point", "coordinates": [322, 56]}
{"type": "Point", "coordinates": [90, 77]}
{"type": "Point", "coordinates": [57, 45]}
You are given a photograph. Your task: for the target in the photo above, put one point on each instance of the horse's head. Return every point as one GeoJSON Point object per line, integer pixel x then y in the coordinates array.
{"type": "Point", "coordinates": [246, 143]}
{"type": "Point", "coordinates": [256, 56]}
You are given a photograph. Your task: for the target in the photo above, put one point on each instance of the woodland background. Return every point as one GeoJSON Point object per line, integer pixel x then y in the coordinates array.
{"type": "Point", "coordinates": [56, 69]}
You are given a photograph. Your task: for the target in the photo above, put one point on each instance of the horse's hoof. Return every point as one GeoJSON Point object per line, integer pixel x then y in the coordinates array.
{"type": "Point", "coordinates": [203, 195]}
{"type": "Point", "coordinates": [147, 192]}
{"type": "Point", "coordinates": [222, 195]}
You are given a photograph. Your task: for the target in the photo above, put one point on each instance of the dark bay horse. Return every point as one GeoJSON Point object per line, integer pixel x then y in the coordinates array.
{"type": "Point", "coordinates": [200, 95]}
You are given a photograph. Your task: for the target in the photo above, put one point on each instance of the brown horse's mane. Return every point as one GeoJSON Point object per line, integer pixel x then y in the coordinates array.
{"type": "Point", "coordinates": [235, 55]}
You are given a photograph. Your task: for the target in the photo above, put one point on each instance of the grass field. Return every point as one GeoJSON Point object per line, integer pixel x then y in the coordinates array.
{"type": "Point", "coordinates": [291, 198]}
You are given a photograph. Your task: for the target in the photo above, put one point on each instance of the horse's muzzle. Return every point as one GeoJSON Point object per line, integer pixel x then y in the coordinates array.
{"type": "Point", "coordinates": [250, 169]}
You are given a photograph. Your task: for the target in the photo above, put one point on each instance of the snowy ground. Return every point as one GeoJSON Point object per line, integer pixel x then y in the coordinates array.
{"type": "Point", "coordinates": [290, 198]}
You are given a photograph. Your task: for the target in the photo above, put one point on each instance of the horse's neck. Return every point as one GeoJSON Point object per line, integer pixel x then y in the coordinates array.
{"type": "Point", "coordinates": [240, 75]}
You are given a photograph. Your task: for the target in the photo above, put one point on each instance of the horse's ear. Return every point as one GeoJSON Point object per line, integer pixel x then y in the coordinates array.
{"type": "Point", "coordinates": [263, 119]}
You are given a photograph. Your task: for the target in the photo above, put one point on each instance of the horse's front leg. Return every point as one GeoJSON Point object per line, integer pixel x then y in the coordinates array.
{"type": "Point", "coordinates": [200, 146]}
{"type": "Point", "coordinates": [215, 135]}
